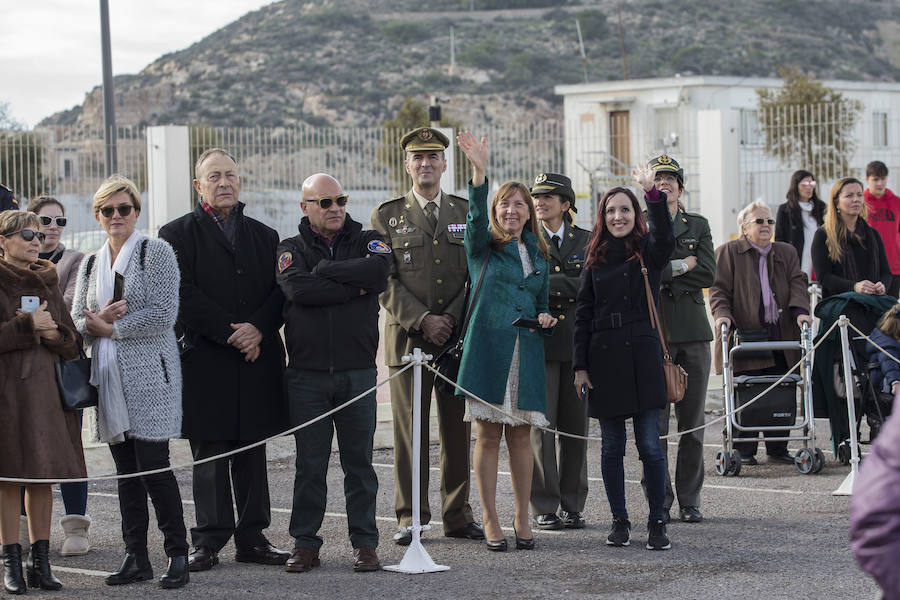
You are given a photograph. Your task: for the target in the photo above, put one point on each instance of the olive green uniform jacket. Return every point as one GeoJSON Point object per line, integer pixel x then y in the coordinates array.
{"type": "Point", "coordinates": [681, 297]}
{"type": "Point", "coordinates": [427, 275]}
{"type": "Point", "coordinates": [566, 263]}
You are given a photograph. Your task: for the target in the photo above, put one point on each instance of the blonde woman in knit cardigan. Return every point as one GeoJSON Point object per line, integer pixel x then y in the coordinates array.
{"type": "Point", "coordinates": [136, 369]}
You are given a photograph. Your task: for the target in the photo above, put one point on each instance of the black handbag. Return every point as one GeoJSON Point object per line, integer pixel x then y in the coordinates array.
{"type": "Point", "coordinates": [447, 362]}
{"type": "Point", "coordinates": [73, 378]}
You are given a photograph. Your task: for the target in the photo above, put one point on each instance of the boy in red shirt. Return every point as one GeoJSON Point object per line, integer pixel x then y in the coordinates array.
{"type": "Point", "coordinates": [884, 215]}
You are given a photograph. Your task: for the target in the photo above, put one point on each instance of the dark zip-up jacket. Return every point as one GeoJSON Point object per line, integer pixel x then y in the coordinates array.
{"type": "Point", "coordinates": [329, 324]}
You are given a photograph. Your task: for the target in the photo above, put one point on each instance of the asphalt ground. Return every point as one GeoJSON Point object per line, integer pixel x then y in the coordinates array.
{"type": "Point", "coordinates": [769, 533]}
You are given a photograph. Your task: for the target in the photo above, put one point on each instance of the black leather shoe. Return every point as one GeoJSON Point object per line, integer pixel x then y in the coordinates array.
{"type": "Point", "coordinates": [785, 457]}
{"type": "Point", "coordinates": [751, 460]}
{"type": "Point", "coordinates": [133, 569]}
{"type": "Point", "coordinates": [403, 537]}
{"type": "Point", "coordinates": [548, 521]}
{"type": "Point", "coordinates": [522, 543]}
{"type": "Point", "coordinates": [37, 568]}
{"type": "Point", "coordinates": [13, 580]}
{"type": "Point", "coordinates": [471, 531]}
{"type": "Point", "coordinates": [266, 554]}
{"type": "Point", "coordinates": [572, 520]}
{"type": "Point", "coordinates": [496, 545]}
{"type": "Point", "coordinates": [202, 559]}
{"type": "Point", "coordinates": [691, 514]}
{"type": "Point", "coordinates": [177, 575]}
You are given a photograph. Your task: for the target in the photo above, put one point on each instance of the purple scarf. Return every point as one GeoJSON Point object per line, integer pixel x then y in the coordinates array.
{"type": "Point", "coordinates": [768, 297]}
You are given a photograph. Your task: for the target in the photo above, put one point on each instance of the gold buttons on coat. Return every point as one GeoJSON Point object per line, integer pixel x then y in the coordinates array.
{"type": "Point", "coordinates": [440, 300]}
{"type": "Point", "coordinates": [439, 281]}
{"type": "Point", "coordinates": [556, 268]}
{"type": "Point", "coordinates": [562, 317]}
{"type": "Point", "coordinates": [435, 242]}
{"type": "Point", "coordinates": [437, 261]}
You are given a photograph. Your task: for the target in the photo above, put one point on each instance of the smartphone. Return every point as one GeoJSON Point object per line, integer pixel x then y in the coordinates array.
{"type": "Point", "coordinates": [118, 287]}
{"type": "Point", "coordinates": [584, 392]}
{"type": "Point", "coordinates": [30, 303]}
{"type": "Point", "coordinates": [529, 323]}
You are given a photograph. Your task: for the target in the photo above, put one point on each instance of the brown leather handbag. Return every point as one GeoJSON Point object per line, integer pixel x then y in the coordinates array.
{"type": "Point", "coordinates": [676, 377]}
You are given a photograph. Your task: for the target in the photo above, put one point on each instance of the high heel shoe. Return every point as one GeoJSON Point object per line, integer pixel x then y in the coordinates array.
{"type": "Point", "coordinates": [496, 545]}
{"type": "Point", "coordinates": [37, 568]}
{"type": "Point", "coordinates": [522, 543]}
{"type": "Point", "coordinates": [13, 581]}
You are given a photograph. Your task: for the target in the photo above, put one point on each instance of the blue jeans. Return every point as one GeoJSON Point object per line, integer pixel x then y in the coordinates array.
{"type": "Point", "coordinates": [310, 394]}
{"type": "Point", "coordinates": [612, 461]}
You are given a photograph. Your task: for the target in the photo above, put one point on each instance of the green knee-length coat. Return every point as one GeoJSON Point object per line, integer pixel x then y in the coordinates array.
{"type": "Point", "coordinates": [505, 295]}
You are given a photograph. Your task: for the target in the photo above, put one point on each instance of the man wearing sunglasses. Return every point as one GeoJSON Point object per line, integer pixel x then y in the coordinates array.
{"type": "Point", "coordinates": [685, 324]}
{"type": "Point", "coordinates": [425, 300]}
{"type": "Point", "coordinates": [331, 274]}
{"type": "Point", "coordinates": [232, 361]}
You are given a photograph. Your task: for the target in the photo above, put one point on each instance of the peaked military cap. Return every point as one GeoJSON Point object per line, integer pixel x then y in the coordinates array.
{"type": "Point", "coordinates": [424, 138]}
{"type": "Point", "coordinates": [554, 183]}
{"type": "Point", "coordinates": [666, 163]}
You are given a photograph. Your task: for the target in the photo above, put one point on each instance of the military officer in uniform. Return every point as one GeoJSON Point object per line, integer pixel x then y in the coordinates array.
{"type": "Point", "coordinates": [424, 301]}
{"type": "Point", "coordinates": [7, 199]}
{"type": "Point", "coordinates": [684, 320]}
{"type": "Point", "coordinates": [560, 483]}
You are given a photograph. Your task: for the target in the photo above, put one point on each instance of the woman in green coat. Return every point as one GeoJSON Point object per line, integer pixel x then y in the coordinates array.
{"type": "Point", "coordinates": [504, 364]}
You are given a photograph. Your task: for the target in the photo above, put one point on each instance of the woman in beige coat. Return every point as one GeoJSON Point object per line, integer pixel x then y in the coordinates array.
{"type": "Point", "coordinates": [759, 286]}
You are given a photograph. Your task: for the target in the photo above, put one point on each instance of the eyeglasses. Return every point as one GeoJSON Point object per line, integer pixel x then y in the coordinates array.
{"type": "Point", "coordinates": [60, 221]}
{"type": "Point", "coordinates": [123, 210]}
{"type": "Point", "coordinates": [808, 183]}
{"type": "Point", "coordinates": [760, 221]}
{"type": "Point", "coordinates": [325, 203]}
{"type": "Point", "coordinates": [28, 235]}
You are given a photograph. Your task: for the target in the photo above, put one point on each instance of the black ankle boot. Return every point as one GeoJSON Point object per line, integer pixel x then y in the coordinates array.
{"type": "Point", "coordinates": [135, 567]}
{"type": "Point", "coordinates": [13, 581]}
{"type": "Point", "coordinates": [38, 567]}
{"type": "Point", "coordinates": [177, 574]}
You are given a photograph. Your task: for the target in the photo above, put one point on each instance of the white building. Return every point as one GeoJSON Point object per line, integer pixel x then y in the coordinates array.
{"type": "Point", "coordinates": [709, 125]}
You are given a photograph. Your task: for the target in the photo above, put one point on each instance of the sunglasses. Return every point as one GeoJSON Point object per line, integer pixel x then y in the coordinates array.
{"type": "Point", "coordinates": [60, 221]}
{"type": "Point", "coordinates": [28, 235]}
{"type": "Point", "coordinates": [760, 221]}
{"type": "Point", "coordinates": [808, 183]}
{"type": "Point", "coordinates": [123, 210]}
{"type": "Point", "coordinates": [325, 203]}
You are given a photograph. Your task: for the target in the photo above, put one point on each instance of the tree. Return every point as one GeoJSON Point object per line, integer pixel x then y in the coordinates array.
{"type": "Point", "coordinates": [807, 125]}
{"type": "Point", "coordinates": [411, 115]}
{"type": "Point", "coordinates": [7, 121]}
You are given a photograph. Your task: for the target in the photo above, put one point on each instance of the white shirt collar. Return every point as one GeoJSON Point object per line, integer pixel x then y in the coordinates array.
{"type": "Point", "coordinates": [559, 232]}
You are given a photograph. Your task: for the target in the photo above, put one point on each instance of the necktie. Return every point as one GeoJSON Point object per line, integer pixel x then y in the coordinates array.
{"type": "Point", "coordinates": [429, 214]}
{"type": "Point", "coordinates": [555, 240]}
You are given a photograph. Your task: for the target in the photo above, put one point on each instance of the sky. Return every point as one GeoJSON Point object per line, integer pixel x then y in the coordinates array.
{"type": "Point", "coordinates": [50, 49]}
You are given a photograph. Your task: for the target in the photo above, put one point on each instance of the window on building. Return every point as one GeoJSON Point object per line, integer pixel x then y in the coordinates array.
{"type": "Point", "coordinates": [67, 168]}
{"type": "Point", "coordinates": [751, 134]}
{"type": "Point", "coordinates": [668, 128]}
{"type": "Point", "coordinates": [880, 129]}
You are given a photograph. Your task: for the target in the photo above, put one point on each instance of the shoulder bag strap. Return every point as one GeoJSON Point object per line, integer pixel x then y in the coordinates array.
{"type": "Point", "coordinates": [471, 303]}
{"type": "Point", "coordinates": [651, 305]}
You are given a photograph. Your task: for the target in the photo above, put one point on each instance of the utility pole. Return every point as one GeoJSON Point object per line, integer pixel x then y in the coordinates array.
{"type": "Point", "coordinates": [622, 43]}
{"type": "Point", "coordinates": [581, 44]}
{"type": "Point", "coordinates": [452, 51]}
{"type": "Point", "coordinates": [109, 97]}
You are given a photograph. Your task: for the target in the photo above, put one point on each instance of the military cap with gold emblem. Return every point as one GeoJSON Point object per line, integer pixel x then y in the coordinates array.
{"type": "Point", "coordinates": [554, 183]}
{"type": "Point", "coordinates": [424, 138]}
{"type": "Point", "coordinates": [666, 163]}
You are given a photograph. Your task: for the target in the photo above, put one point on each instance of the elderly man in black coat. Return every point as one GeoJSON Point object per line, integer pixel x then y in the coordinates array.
{"type": "Point", "coordinates": [232, 361]}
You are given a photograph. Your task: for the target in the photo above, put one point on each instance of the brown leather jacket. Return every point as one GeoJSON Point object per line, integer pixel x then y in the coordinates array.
{"type": "Point", "coordinates": [736, 294]}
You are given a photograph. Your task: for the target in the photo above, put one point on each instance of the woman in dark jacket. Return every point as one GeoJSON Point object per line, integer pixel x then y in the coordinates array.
{"type": "Point", "coordinates": [847, 254]}
{"type": "Point", "coordinates": [617, 347]}
{"type": "Point", "coordinates": [799, 217]}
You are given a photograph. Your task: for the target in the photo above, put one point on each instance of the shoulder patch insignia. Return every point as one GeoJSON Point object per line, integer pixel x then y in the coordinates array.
{"type": "Point", "coordinates": [284, 261]}
{"type": "Point", "coordinates": [378, 247]}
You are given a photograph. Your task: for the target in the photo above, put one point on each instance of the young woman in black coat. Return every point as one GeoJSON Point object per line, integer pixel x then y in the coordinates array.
{"type": "Point", "coordinates": [617, 351]}
{"type": "Point", "coordinates": [800, 217]}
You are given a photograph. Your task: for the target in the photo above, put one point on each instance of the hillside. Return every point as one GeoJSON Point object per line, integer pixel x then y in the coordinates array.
{"type": "Point", "coordinates": [351, 62]}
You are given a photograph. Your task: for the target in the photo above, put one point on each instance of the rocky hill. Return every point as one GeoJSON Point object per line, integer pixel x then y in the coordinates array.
{"type": "Point", "coordinates": [352, 62]}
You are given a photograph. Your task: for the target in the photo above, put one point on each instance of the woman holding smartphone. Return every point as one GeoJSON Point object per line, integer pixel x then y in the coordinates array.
{"type": "Point", "coordinates": [137, 371]}
{"type": "Point", "coordinates": [38, 440]}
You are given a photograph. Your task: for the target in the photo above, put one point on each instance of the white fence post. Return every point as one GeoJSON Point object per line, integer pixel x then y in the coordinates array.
{"type": "Point", "coordinates": [168, 175]}
{"type": "Point", "coordinates": [448, 179]}
{"type": "Point", "coordinates": [846, 487]}
{"type": "Point", "coordinates": [719, 137]}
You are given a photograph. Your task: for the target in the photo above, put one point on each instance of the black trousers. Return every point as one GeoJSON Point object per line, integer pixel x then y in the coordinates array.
{"type": "Point", "coordinates": [245, 473]}
{"type": "Point", "coordinates": [132, 456]}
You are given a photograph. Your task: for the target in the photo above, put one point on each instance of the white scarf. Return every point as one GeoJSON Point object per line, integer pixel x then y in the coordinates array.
{"type": "Point", "coordinates": [112, 412]}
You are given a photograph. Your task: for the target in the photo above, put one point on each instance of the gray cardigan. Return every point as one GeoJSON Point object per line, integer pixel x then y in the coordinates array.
{"type": "Point", "coordinates": [67, 263]}
{"type": "Point", "coordinates": [145, 339]}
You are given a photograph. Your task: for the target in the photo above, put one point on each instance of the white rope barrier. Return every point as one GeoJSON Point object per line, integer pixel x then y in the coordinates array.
{"type": "Point", "coordinates": [111, 476]}
{"type": "Point", "coordinates": [662, 437]}
{"type": "Point", "coordinates": [871, 341]}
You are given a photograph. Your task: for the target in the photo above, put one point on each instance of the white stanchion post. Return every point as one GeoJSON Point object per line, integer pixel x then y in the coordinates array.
{"type": "Point", "coordinates": [417, 559]}
{"type": "Point", "coordinates": [846, 487]}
